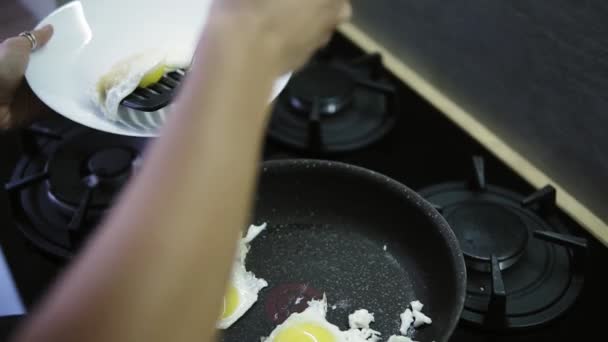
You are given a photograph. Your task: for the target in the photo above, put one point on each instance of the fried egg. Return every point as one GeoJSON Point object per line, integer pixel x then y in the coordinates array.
{"type": "Point", "coordinates": [311, 325]}
{"type": "Point", "coordinates": [360, 319]}
{"type": "Point", "coordinates": [362, 335]}
{"type": "Point", "coordinates": [396, 338]}
{"type": "Point", "coordinates": [407, 318]}
{"type": "Point", "coordinates": [413, 317]}
{"type": "Point", "coordinates": [139, 70]}
{"type": "Point", "coordinates": [244, 286]}
{"type": "Point", "coordinates": [416, 305]}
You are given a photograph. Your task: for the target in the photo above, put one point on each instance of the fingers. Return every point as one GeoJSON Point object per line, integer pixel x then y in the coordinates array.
{"type": "Point", "coordinates": [43, 35]}
{"type": "Point", "coordinates": [336, 11]}
{"type": "Point", "coordinates": [341, 14]}
{"type": "Point", "coordinates": [346, 12]}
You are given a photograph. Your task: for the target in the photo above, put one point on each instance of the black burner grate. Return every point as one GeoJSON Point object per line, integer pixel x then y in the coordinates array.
{"type": "Point", "coordinates": [335, 106]}
{"type": "Point", "coordinates": [66, 180]}
{"type": "Point", "coordinates": [524, 270]}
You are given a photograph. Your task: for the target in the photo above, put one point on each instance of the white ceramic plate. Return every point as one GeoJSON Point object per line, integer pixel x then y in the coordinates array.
{"type": "Point", "coordinates": [91, 35]}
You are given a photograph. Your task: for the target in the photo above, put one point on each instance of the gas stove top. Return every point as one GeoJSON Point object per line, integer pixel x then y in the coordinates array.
{"type": "Point", "coordinates": [530, 268]}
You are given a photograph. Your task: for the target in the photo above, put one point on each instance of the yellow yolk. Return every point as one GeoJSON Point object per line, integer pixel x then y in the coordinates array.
{"type": "Point", "coordinates": [152, 76]}
{"type": "Point", "coordinates": [304, 332]}
{"type": "Point", "coordinates": [231, 302]}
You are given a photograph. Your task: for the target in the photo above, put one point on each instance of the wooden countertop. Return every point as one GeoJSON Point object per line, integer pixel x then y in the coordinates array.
{"type": "Point", "coordinates": [489, 139]}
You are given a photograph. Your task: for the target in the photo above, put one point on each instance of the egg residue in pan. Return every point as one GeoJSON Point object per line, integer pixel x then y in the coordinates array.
{"type": "Point", "coordinates": [311, 325]}
{"type": "Point", "coordinates": [244, 286]}
{"type": "Point", "coordinates": [308, 325]}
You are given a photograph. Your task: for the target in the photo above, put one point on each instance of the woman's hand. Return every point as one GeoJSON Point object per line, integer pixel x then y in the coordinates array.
{"type": "Point", "coordinates": [17, 102]}
{"type": "Point", "coordinates": [295, 28]}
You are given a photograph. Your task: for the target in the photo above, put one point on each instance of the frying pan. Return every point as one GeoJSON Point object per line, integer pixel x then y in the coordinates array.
{"type": "Point", "coordinates": [359, 237]}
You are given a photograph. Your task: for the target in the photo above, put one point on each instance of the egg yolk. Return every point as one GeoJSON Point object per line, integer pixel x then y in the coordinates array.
{"type": "Point", "coordinates": [231, 302]}
{"type": "Point", "coordinates": [152, 76]}
{"type": "Point", "coordinates": [305, 332]}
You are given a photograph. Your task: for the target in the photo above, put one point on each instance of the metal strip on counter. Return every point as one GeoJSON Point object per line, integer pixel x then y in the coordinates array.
{"type": "Point", "coordinates": [524, 167]}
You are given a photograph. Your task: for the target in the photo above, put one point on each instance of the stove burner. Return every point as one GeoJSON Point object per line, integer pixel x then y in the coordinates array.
{"type": "Point", "coordinates": [66, 181]}
{"type": "Point", "coordinates": [111, 162]}
{"type": "Point", "coordinates": [523, 269]}
{"type": "Point", "coordinates": [80, 155]}
{"type": "Point", "coordinates": [486, 229]}
{"type": "Point", "coordinates": [331, 95]}
{"type": "Point", "coordinates": [334, 106]}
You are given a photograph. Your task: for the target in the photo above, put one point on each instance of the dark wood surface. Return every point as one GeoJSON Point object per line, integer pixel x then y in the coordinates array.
{"type": "Point", "coordinates": [534, 72]}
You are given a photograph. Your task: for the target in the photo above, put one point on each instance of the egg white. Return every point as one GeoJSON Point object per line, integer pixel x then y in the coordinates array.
{"type": "Point", "coordinates": [316, 314]}
{"type": "Point", "coordinates": [247, 285]}
{"type": "Point", "coordinates": [124, 76]}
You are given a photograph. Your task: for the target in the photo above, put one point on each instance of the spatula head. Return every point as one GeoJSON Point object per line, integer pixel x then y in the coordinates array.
{"type": "Point", "coordinates": [156, 96]}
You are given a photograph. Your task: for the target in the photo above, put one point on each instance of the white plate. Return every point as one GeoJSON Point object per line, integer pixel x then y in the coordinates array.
{"type": "Point", "coordinates": [91, 35]}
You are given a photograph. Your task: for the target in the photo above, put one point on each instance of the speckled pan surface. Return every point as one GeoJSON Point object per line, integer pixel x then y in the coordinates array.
{"type": "Point", "coordinates": [359, 237]}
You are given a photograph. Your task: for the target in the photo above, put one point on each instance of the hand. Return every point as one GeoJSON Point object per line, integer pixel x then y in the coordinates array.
{"type": "Point", "coordinates": [18, 104]}
{"type": "Point", "coordinates": [296, 28]}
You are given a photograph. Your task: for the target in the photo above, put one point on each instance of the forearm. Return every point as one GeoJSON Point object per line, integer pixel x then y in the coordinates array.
{"type": "Point", "coordinates": [141, 279]}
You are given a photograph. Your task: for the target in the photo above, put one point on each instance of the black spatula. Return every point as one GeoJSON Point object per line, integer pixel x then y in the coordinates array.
{"type": "Point", "coordinates": [156, 96]}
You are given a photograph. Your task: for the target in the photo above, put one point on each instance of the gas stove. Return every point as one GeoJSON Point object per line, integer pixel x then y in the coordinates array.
{"type": "Point", "coordinates": [530, 267]}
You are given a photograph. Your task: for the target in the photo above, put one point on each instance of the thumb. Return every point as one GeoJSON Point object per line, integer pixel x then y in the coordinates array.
{"type": "Point", "coordinates": [43, 34]}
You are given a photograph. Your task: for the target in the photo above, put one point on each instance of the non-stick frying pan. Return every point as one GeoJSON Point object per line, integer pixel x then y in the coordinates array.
{"type": "Point", "coordinates": [359, 237]}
